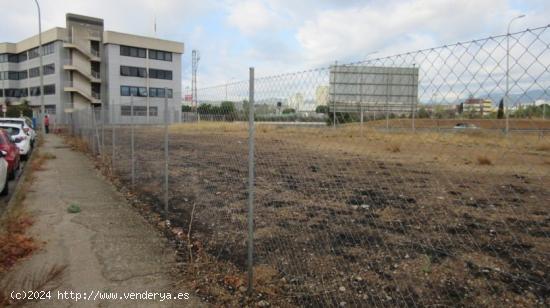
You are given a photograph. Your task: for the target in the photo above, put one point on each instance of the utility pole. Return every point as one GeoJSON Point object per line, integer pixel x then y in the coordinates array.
{"type": "Point", "coordinates": [41, 68]}
{"type": "Point", "coordinates": [194, 66]}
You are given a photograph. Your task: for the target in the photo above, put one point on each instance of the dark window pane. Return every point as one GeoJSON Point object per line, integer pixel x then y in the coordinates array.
{"type": "Point", "coordinates": [49, 89]}
{"type": "Point", "coordinates": [141, 53]}
{"type": "Point", "coordinates": [124, 91]}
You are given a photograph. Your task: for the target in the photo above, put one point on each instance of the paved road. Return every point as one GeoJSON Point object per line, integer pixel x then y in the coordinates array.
{"type": "Point", "coordinates": [106, 247]}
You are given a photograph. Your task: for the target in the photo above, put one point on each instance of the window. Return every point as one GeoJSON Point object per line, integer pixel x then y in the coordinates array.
{"type": "Point", "coordinates": [49, 69]}
{"type": "Point", "coordinates": [33, 53]}
{"type": "Point", "coordinates": [160, 74]}
{"type": "Point", "coordinates": [34, 91]}
{"type": "Point", "coordinates": [49, 109]}
{"type": "Point", "coordinates": [124, 91]}
{"type": "Point", "coordinates": [48, 48]}
{"type": "Point", "coordinates": [3, 57]}
{"type": "Point", "coordinates": [140, 110]}
{"type": "Point", "coordinates": [23, 75]}
{"type": "Point", "coordinates": [34, 72]}
{"type": "Point", "coordinates": [49, 89]}
{"type": "Point", "coordinates": [13, 75]}
{"type": "Point", "coordinates": [132, 51]}
{"type": "Point", "coordinates": [153, 111]}
{"type": "Point", "coordinates": [1, 93]}
{"type": "Point", "coordinates": [159, 92]}
{"type": "Point", "coordinates": [17, 92]}
{"type": "Point", "coordinates": [22, 57]}
{"type": "Point", "coordinates": [13, 58]}
{"type": "Point", "coordinates": [126, 110]}
{"type": "Point", "coordinates": [133, 91]}
{"type": "Point", "coordinates": [160, 55]}
{"type": "Point", "coordinates": [133, 71]}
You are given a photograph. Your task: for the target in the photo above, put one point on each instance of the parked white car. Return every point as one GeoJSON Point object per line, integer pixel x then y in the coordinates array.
{"type": "Point", "coordinates": [25, 123]}
{"type": "Point", "coordinates": [19, 137]}
{"type": "Point", "coordinates": [3, 174]}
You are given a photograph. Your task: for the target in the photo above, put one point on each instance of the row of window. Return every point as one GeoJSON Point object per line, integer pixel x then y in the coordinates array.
{"type": "Point", "coordinates": [33, 72]}
{"type": "Point", "coordinates": [142, 92]}
{"type": "Point", "coordinates": [48, 90]}
{"type": "Point", "coordinates": [29, 54]}
{"type": "Point", "coordinates": [126, 110]}
{"type": "Point", "coordinates": [133, 71]}
{"type": "Point", "coordinates": [24, 92]}
{"type": "Point", "coordinates": [160, 74]}
{"type": "Point", "coordinates": [138, 52]}
{"type": "Point", "coordinates": [160, 55]}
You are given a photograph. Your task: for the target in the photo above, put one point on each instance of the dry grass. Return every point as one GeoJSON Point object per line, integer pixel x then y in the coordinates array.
{"type": "Point", "coordinates": [450, 147]}
{"type": "Point", "coordinates": [394, 148]}
{"type": "Point", "coordinates": [46, 280]}
{"type": "Point", "coordinates": [14, 244]}
{"type": "Point", "coordinates": [484, 161]}
{"type": "Point", "coordinates": [543, 148]}
{"type": "Point", "coordinates": [76, 143]}
{"type": "Point", "coordinates": [39, 161]}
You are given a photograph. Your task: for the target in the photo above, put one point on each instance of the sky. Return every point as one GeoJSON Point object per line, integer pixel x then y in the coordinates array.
{"type": "Point", "coordinates": [279, 36]}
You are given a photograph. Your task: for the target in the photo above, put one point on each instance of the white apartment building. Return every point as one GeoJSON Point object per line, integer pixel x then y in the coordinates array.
{"type": "Point", "coordinates": [86, 67]}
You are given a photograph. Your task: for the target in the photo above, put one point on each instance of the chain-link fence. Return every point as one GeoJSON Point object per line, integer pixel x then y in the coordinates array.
{"type": "Point", "coordinates": [420, 179]}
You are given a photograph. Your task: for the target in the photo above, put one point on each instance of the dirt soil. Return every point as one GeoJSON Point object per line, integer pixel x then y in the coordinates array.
{"type": "Point", "coordinates": [343, 220]}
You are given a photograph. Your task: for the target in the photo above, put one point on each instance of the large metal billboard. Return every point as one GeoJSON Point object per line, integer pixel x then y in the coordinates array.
{"type": "Point", "coordinates": [371, 88]}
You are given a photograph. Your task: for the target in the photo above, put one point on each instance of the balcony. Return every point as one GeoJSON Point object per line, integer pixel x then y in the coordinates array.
{"type": "Point", "coordinates": [93, 97]}
{"type": "Point", "coordinates": [93, 55]}
{"type": "Point", "coordinates": [91, 75]}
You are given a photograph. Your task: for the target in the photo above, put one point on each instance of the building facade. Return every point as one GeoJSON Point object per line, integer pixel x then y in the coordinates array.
{"type": "Point", "coordinates": [87, 67]}
{"type": "Point", "coordinates": [480, 106]}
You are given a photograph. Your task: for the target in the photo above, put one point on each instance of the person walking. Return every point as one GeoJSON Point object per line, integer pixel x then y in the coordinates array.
{"type": "Point", "coordinates": [47, 124]}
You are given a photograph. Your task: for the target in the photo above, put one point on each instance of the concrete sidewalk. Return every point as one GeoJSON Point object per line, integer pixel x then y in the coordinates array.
{"type": "Point", "coordinates": [107, 247]}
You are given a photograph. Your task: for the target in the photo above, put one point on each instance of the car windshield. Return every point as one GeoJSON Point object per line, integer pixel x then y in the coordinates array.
{"type": "Point", "coordinates": [12, 131]}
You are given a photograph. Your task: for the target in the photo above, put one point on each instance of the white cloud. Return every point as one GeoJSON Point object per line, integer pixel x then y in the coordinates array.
{"type": "Point", "coordinates": [135, 16]}
{"type": "Point", "coordinates": [252, 16]}
{"type": "Point", "coordinates": [352, 32]}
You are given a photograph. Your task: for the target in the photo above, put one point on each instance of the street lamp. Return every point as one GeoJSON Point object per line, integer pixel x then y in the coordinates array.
{"type": "Point", "coordinates": [508, 72]}
{"type": "Point", "coordinates": [41, 69]}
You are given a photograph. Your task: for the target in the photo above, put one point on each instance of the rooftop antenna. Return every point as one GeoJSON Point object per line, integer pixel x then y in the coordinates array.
{"type": "Point", "coordinates": [155, 25]}
{"type": "Point", "coordinates": [194, 67]}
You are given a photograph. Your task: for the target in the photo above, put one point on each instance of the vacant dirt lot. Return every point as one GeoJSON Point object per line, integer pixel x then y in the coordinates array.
{"type": "Point", "coordinates": [385, 219]}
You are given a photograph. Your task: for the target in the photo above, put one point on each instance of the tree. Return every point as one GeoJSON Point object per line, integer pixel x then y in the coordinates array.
{"type": "Point", "coordinates": [423, 113]}
{"type": "Point", "coordinates": [185, 108]}
{"type": "Point", "coordinates": [204, 109]}
{"type": "Point", "coordinates": [460, 108]}
{"type": "Point", "coordinates": [500, 113]}
{"type": "Point", "coordinates": [289, 111]}
{"type": "Point", "coordinates": [322, 109]}
{"type": "Point", "coordinates": [15, 111]}
{"type": "Point", "coordinates": [227, 107]}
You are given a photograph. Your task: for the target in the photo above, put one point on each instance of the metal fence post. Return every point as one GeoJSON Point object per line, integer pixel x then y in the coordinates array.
{"type": "Point", "coordinates": [251, 181]}
{"type": "Point", "coordinates": [132, 139]}
{"type": "Point", "coordinates": [415, 100]}
{"type": "Point", "coordinates": [113, 142]}
{"type": "Point", "coordinates": [361, 120]}
{"type": "Point", "coordinates": [387, 101]}
{"type": "Point", "coordinates": [413, 116]}
{"type": "Point", "coordinates": [166, 120]}
{"type": "Point", "coordinates": [334, 95]}
{"type": "Point", "coordinates": [102, 128]}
